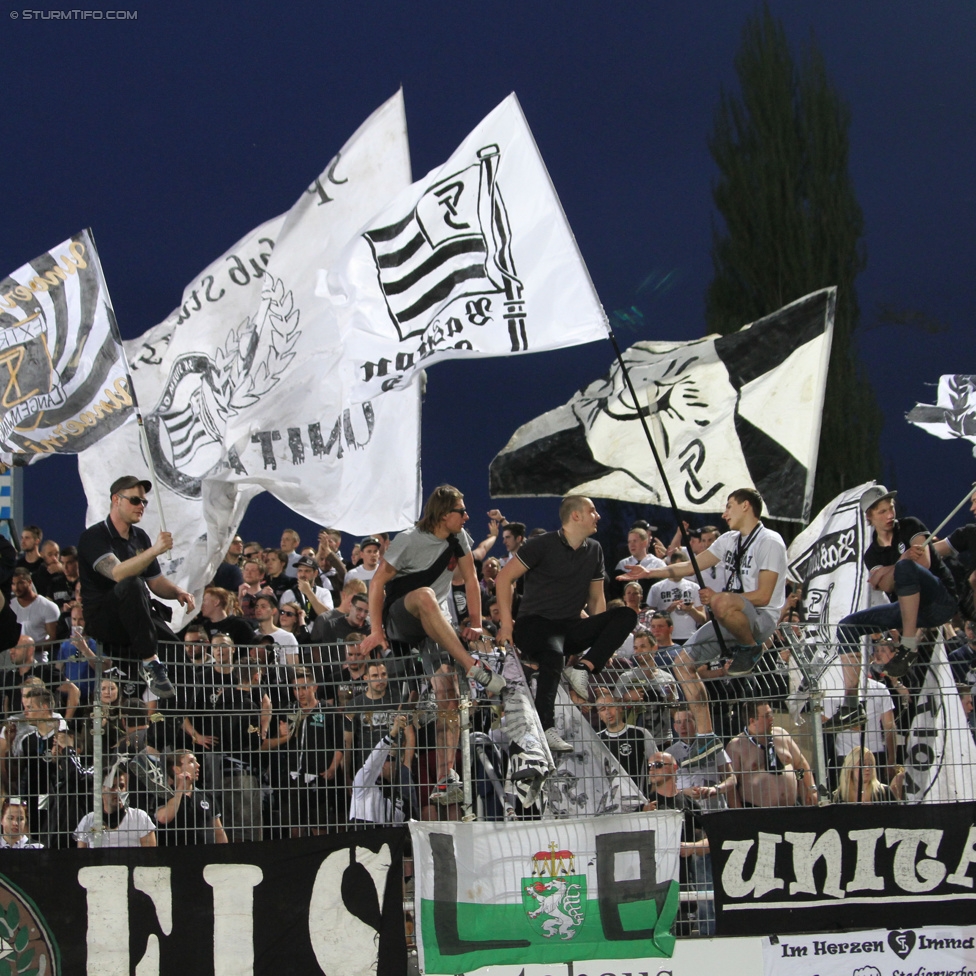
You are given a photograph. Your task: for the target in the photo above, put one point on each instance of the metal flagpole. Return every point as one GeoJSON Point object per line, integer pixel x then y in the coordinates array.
{"type": "Point", "coordinates": [685, 538]}
{"type": "Point", "coordinates": [945, 521]}
{"type": "Point", "coordinates": [114, 326]}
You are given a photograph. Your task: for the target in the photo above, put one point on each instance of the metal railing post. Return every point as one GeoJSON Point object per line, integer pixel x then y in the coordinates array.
{"type": "Point", "coordinates": [98, 750]}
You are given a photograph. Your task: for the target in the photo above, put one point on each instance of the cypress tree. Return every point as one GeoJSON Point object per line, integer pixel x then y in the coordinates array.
{"type": "Point", "coordinates": [792, 225]}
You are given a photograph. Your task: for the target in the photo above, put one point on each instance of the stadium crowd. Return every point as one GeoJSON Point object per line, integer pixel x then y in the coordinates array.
{"type": "Point", "coordinates": [318, 687]}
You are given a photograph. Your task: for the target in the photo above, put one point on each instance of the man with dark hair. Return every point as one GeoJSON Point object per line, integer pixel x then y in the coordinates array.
{"type": "Point", "coordinates": [747, 611]}
{"type": "Point", "coordinates": [366, 570]}
{"type": "Point", "coordinates": [189, 815]}
{"type": "Point", "coordinates": [513, 535]}
{"type": "Point", "coordinates": [769, 767]}
{"type": "Point", "coordinates": [37, 615]}
{"type": "Point", "coordinates": [334, 630]}
{"type": "Point", "coordinates": [228, 575]}
{"type": "Point", "coordinates": [119, 569]}
{"type": "Point", "coordinates": [30, 557]}
{"type": "Point", "coordinates": [315, 600]}
{"type": "Point", "coordinates": [564, 575]}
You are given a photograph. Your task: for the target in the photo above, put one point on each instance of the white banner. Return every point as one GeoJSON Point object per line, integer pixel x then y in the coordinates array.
{"type": "Point", "coordinates": [949, 951]}
{"type": "Point", "coordinates": [475, 259]}
{"type": "Point", "coordinates": [527, 892]}
{"type": "Point", "coordinates": [940, 757]}
{"type": "Point", "coordinates": [228, 412]}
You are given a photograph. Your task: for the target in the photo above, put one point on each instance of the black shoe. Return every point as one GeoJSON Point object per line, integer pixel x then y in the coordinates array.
{"type": "Point", "coordinates": [846, 717]}
{"type": "Point", "coordinates": [155, 676]}
{"type": "Point", "coordinates": [902, 662]}
{"type": "Point", "coordinates": [744, 660]}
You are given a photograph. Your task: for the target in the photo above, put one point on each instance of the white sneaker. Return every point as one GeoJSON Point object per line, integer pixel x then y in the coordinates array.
{"type": "Point", "coordinates": [489, 680]}
{"type": "Point", "coordinates": [556, 742]}
{"type": "Point", "coordinates": [448, 790]}
{"type": "Point", "coordinates": [579, 680]}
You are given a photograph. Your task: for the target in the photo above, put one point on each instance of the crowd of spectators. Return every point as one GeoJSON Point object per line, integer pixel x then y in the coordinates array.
{"type": "Point", "coordinates": [288, 721]}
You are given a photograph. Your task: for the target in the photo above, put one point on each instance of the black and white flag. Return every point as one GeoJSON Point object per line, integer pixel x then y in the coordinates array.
{"type": "Point", "coordinates": [62, 370]}
{"type": "Point", "coordinates": [475, 259]}
{"type": "Point", "coordinates": [726, 412]}
{"type": "Point", "coordinates": [954, 412]}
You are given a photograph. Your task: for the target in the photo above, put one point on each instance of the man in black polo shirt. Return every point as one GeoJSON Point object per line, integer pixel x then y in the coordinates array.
{"type": "Point", "coordinates": [563, 575]}
{"type": "Point", "coordinates": [119, 569]}
{"type": "Point", "coordinates": [919, 586]}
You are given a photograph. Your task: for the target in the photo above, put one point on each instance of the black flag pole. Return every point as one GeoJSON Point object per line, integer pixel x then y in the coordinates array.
{"type": "Point", "coordinates": [642, 413]}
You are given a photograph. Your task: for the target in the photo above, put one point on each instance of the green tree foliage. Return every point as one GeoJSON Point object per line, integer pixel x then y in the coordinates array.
{"type": "Point", "coordinates": [792, 225]}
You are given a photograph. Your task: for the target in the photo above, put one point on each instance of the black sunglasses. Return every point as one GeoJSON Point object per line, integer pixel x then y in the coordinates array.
{"type": "Point", "coordinates": [135, 499]}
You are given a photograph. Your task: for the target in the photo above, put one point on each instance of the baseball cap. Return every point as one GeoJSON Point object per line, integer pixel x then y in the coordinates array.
{"type": "Point", "coordinates": [129, 481]}
{"type": "Point", "coordinates": [307, 561]}
{"type": "Point", "coordinates": [875, 494]}
{"type": "Point", "coordinates": [370, 540]}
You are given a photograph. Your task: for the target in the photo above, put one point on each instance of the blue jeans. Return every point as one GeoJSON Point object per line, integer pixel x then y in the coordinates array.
{"type": "Point", "coordinates": [936, 605]}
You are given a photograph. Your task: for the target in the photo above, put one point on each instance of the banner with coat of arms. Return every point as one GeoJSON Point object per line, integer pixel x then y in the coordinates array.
{"type": "Point", "coordinates": [490, 894]}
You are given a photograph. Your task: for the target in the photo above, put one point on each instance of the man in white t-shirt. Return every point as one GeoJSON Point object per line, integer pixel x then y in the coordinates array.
{"type": "Point", "coordinates": [366, 570]}
{"type": "Point", "coordinates": [37, 615]}
{"type": "Point", "coordinates": [314, 600]}
{"type": "Point", "coordinates": [746, 611]}
{"type": "Point", "coordinates": [679, 598]}
{"type": "Point", "coordinates": [637, 544]}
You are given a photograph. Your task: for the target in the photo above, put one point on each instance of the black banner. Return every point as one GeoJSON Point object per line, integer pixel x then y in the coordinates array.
{"type": "Point", "coordinates": [843, 867]}
{"type": "Point", "coordinates": [319, 905]}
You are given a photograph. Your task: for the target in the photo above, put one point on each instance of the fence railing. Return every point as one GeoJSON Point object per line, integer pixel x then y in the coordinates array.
{"type": "Point", "coordinates": [252, 748]}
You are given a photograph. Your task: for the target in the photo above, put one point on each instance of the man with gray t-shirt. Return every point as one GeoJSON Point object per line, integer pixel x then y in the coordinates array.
{"type": "Point", "coordinates": [408, 602]}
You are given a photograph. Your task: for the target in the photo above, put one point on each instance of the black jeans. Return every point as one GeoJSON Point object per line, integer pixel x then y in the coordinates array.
{"type": "Point", "coordinates": [549, 642]}
{"type": "Point", "coordinates": [123, 619]}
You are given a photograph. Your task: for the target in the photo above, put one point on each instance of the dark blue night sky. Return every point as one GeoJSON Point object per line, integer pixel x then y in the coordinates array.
{"type": "Point", "coordinates": [174, 134]}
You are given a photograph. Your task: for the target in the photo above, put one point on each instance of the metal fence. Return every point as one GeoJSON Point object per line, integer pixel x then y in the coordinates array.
{"type": "Point", "coordinates": [256, 746]}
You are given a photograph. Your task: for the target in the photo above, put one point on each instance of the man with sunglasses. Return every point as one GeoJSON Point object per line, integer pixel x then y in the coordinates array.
{"type": "Point", "coordinates": [120, 574]}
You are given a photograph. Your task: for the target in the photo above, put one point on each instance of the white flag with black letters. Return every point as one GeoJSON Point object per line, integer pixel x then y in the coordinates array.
{"type": "Point", "coordinates": [227, 414]}
{"type": "Point", "coordinates": [475, 259]}
{"type": "Point", "coordinates": [726, 412]}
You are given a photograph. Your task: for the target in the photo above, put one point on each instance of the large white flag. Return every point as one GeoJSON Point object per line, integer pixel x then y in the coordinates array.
{"type": "Point", "coordinates": [228, 358]}
{"type": "Point", "coordinates": [475, 259]}
{"type": "Point", "coordinates": [62, 372]}
{"type": "Point", "coordinates": [726, 412]}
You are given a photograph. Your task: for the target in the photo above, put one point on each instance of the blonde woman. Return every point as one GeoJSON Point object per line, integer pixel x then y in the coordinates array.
{"type": "Point", "coordinates": [860, 769]}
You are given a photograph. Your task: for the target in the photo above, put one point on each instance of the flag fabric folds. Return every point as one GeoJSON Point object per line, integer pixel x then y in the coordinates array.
{"type": "Point", "coordinates": [64, 375]}
{"type": "Point", "coordinates": [491, 894]}
{"type": "Point", "coordinates": [725, 412]}
{"type": "Point", "coordinates": [475, 259]}
{"type": "Point", "coordinates": [954, 412]}
{"type": "Point", "coordinates": [235, 384]}
{"type": "Point", "coordinates": [825, 558]}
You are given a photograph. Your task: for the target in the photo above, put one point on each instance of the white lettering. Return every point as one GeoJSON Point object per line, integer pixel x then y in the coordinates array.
{"type": "Point", "coordinates": [763, 876]}
{"type": "Point", "coordinates": [961, 875]}
{"type": "Point", "coordinates": [341, 942]}
{"type": "Point", "coordinates": [108, 919]}
{"type": "Point", "coordinates": [866, 877]}
{"type": "Point", "coordinates": [910, 873]}
{"type": "Point", "coordinates": [233, 892]}
{"type": "Point", "coordinates": [807, 850]}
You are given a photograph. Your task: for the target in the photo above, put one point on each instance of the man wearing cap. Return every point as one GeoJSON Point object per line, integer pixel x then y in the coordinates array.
{"type": "Point", "coordinates": [120, 573]}
{"type": "Point", "coordinates": [366, 570]}
{"type": "Point", "coordinates": [314, 600]}
{"type": "Point", "coordinates": [918, 583]}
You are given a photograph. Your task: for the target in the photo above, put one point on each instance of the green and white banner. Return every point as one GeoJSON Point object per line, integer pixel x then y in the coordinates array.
{"type": "Point", "coordinates": [490, 894]}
